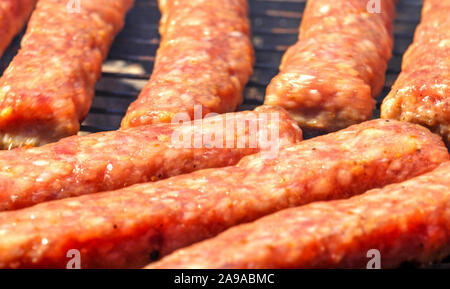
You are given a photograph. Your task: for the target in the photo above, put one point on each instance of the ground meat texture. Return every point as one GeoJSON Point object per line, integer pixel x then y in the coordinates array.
{"type": "Point", "coordinates": [13, 15]}
{"type": "Point", "coordinates": [421, 93]}
{"type": "Point", "coordinates": [406, 222]}
{"type": "Point", "coordinates": [205, 58]}
{"type": "Point", "coordinates": [136, 225]}
{"type": "Point", "coordinates": [329, 78]}
{"type": "Point", "coordinates": [111, 160]}
{"type": "Point", "coordinates": [48, 87]}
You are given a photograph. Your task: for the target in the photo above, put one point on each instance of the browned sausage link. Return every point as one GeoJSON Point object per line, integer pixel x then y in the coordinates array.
{"type": "Point", "coordinates": [328, 80]}
{"type": "Point", "coordinates": [112, 160]}
{"type": "Point", "coordinates": [48, 87]}
{"type": "Point", "coordinates": [128, 227]}
{"type": "Point", "coordinates": [421, 94]}
{"type": "Point", "coordinates": [205, 58]}
{"type": "Point", "coordinates": [406, 222]}
{"type": "Point", "coordinates": [13, 15]}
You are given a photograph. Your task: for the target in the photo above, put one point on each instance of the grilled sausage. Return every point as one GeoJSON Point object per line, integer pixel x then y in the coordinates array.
{"type": "Point", "coordinates": [328, 80]}
{"type": "Point", "coordinates": [406, 222]}
{"type": "Point", "coordinates": [13, 15]}
{"type": "Point", "coordinates": [205, 58]}
{"type": "Point", "coordinates": [421, 93]}
{"type": "Point", "coordinates": [112, 160]}
{"type": "Point", "coordinates": [48, 87]}
{"type": "Point", "coordinates": [128, 227]}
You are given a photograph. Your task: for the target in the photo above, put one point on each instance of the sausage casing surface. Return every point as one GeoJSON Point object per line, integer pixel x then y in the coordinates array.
{"type": "Point", "coordinates": [13, 15]}
{"type": "Point", "coordinates": [329, 78]}
{"type": "Point", "coordinates": [48, 87]}
{"type": "Point", "coordinates": [124, 228]}
{"type": "Point", "coordinates": [107, 161]}
{"type": "Point", "coordinates": [205, 58]}
{"type": "Point", "coordinates": [421, 93]}
{"type": "Point", "coordinates": [405, 222]}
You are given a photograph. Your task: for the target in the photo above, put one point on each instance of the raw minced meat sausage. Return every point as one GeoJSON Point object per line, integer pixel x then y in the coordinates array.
{"type": "Point", "coordinates": [131, 226]}
{"type": "Point", "coordinates": [421, 93]}
{"type": "Point", "coordinates": [329, 79]}
{"type": "Point", "coordinates": [13, 15]}
{"type": "Point", "coordinates": [205, 58]}
{"type": "Point", "coordinates": [405, 222]}
{"type": "Point", "coordinates": [111, 160]}
{"type": "Point", "coordinates": [49, 86]}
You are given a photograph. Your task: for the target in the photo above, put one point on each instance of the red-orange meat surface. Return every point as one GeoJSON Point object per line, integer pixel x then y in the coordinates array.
{"type": "Point", "coordinates": [205, 58]}
{"type": "Point", "coordinates": [131, 226]}
{"type": "Point", "coordinates": [329, 78]}
{"type": "Point", "coordinates": [421, 94]}
{"type": "Point", "coordinates": [48, 87]}
{"type": "Point", "coordinates": [405, 222]}
{"type": "Point", "coordinates": [107, 161]}
{"type": "Point", "coordinates": [13, 15]}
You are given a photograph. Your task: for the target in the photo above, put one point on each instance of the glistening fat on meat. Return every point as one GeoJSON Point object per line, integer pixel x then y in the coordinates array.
{"type": "Point", "coordinates": [406, 222]}
{"type": "Point", "coordinates": [106, 161]}
{"type": "Point", "coordinates": [205, 58]}
{"type": "Point", "coordinates": [48, 87]}
{"type": "Point", "coordinates": [128, 227]}
{"type": "Point", "coordinates": [329, 78]}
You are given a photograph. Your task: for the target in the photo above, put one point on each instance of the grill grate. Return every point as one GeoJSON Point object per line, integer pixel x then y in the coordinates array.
{"type": "Point", "coordinates": [274, 25]}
